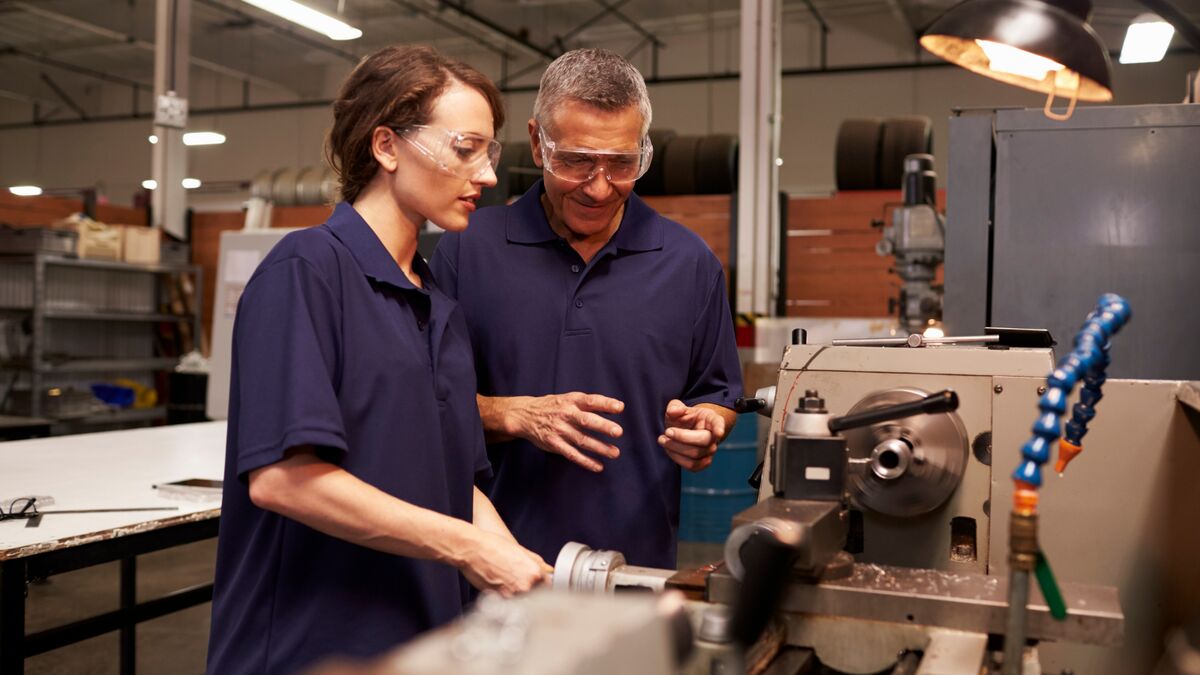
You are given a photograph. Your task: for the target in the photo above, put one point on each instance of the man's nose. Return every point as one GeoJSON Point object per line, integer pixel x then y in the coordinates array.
{"type": "Point", "coordinates": [598, 188]}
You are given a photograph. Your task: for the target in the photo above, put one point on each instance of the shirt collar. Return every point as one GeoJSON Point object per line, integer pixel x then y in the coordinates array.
{"type": "Point", "coordinates": [640, 228]}
{"type": "Point", "coordinates": [370, 253]}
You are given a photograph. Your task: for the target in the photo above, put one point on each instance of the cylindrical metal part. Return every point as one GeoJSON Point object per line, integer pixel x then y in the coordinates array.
{"type": "Point", "coordinates": [1014, 634]}
{"type": "Point", "coordinates": [799, 336]}
{"type": "Point", "coordinates": [1022, 541]}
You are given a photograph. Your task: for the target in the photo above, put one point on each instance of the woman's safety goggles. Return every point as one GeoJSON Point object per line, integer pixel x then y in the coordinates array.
{"type": "Point", "coordinates": [580, 165]}
{"type": "Point", "coordinates": [467, 156]}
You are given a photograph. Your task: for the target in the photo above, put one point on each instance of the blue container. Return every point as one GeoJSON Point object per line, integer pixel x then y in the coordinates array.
{"type": "Point", "coordinates": [710, 498]}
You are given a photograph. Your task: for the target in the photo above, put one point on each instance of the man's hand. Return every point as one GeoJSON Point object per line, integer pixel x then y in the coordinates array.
{"type": "Point", "coordinates": [497, 563]}
{"type": "Point", "coordinates": [692, 434]}
{"type": "Point", "coordinates": [564, 423]}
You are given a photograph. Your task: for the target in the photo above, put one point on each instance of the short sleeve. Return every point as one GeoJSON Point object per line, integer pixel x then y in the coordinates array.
{"type": "Point", "coordinates": [444, 264]}
{"type": "Point", "coordinates": [715, 373]}
{"type": "Point", "coordinates": [286, 350]}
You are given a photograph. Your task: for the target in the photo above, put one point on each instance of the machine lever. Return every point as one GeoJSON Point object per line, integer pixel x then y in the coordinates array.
{"type": "Point", "coordinates": [942, 401]}
{"type": "Point", "coordinates": [743, 404]}
{"type": "Point", "coordinates": [768, 560]}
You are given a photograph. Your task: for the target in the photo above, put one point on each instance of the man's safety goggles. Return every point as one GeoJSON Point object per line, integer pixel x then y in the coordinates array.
{"type": "Point", "coordinates": [580, 165]}
{"type": "Point", "coordinates": [467, 156]}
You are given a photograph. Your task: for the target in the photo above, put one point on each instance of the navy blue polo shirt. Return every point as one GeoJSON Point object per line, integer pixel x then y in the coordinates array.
{"type": "Point", "coordinates": [333, 347]}
{"type": "Point", "coordinates": [645, 321]}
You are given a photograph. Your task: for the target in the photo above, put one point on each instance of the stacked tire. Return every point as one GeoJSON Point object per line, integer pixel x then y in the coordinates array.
{"type": "Point", "coordinates": [870, 151]}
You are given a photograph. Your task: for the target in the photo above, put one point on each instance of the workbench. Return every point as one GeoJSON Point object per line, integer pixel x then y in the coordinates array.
{"type": "Point", "coordinates": [114, 469]}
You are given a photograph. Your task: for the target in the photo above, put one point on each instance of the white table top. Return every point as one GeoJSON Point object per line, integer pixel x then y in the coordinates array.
{"type": "Point", "coordinates": [111, 469]}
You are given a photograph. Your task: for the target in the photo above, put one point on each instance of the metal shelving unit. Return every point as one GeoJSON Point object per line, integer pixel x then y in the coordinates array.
{"type": "Point", "coordinates": [38, 368]}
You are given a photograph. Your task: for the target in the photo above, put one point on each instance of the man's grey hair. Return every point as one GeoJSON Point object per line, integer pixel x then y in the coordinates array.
{"type": "Point", "coordinates": [597, 77]}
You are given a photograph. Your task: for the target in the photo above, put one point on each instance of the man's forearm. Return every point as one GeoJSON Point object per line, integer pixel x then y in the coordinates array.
{"type": "Point", "coordinates": [496, 414]}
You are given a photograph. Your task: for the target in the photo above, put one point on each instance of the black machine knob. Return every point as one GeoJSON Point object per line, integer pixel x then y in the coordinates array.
{"type": "Point", "coordinates": [799, 336]}
{"type": "Point", "coordinates": [743, 404]}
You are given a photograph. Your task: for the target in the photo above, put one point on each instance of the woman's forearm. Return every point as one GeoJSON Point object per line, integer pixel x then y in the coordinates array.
{"type": "Point", "coordinates": [329, 499]}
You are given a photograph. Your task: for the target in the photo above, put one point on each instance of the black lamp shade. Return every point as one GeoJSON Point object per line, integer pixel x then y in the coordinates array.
{"type": "Point", "coordinates": [1056, 30]}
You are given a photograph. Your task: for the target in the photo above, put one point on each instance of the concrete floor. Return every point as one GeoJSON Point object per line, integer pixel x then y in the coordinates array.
{"type": "Point", "coordinates": [175, 644]}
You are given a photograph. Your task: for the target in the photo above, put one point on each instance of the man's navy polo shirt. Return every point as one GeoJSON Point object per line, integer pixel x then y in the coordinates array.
{"type": "Point", "coordinates": [646, 321]}
{"type": "Point", "coordinates": [333, 349]}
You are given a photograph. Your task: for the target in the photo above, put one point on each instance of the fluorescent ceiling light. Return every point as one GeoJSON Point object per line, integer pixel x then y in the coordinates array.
{"type": "Point", "coordinates": [1146, 40]}
{"type": "Point", "coordinates": [203, 138]}
{"type": "Point", "coordinates": [25, 190]}
{"type": "Point", "coordinates": [150, 184]}
{"type": "Point", "coordinates": [196, 138]}
{"type": "Point", "coordinates": [309, 18]}
{"type": "Point", "coordinates": [191, 183]}
{"type": "Point", "coordinates": [1005, 59]}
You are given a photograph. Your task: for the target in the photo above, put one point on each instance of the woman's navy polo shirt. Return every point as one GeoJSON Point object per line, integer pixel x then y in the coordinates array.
{"type": "Point", "coordinates": [646, 321]}
{"type": "Point", "coordinates": [334, 347]}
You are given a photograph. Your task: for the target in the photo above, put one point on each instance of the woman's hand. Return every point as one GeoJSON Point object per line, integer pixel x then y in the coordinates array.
{"type": "Point", "coordinates": [496, 563]}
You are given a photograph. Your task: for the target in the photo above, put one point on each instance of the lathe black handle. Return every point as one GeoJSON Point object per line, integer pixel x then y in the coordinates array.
{"type": "Point", "coordinates": [943, 401]}
{"type": "Point", "coordinates": [743, 404]}
{"type": "Point", "coordinates": [768, 563]}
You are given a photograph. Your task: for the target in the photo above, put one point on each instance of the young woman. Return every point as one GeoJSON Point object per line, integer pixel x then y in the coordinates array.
{"type": "Point", "coordinates": [354, 441]}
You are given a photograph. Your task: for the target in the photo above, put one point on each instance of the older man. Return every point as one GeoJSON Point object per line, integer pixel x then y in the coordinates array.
{"type": "Point", "coordinates": [601, 329]}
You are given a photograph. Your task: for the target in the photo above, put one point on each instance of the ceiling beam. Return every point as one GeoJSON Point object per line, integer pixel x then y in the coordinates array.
{"type": "Point", "coordinates": [432, 16]}
{"type": "Point", "coordinates": [902, 14]}
{"type": "Point", "coordinates": [62, 94]}
{"type": "Point", "coordinates": [631, 23]}
{"type": "Point", "coordinates": [72, 68]}
{"type": "Point", "coordinates": [119, 38]}
{"type": "Point", "coordinates": [462, 10]}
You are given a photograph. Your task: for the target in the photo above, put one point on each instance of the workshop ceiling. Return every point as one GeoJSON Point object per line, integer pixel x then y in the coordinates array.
{"type": "Point", "coordinates": [49, 49]}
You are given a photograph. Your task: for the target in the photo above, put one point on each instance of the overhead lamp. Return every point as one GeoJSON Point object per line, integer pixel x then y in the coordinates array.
{"type": "Point", "coordinates": [25, 190]}
{"type": "Point", "coordinates": [1146, 40]}
{"type": "Point", "coordinates": [195, 138]}
{"type": "Point", "coordinates": [190, 183]}
{"type": "Point", "coordinates": [308, 17]}
{"type": "Point", "coordinates": [150, 184]}
{"type": "Point", "coordinates": [1041, 45]}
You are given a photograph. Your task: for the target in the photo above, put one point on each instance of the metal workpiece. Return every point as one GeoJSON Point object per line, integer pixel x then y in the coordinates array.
{"type": "Point", "coordinates": [974, 603]}
{"type": "Point", "coordinates": [580, 568]}
{"type": "Point", "coordinates": [912, 465]}
{"type": "Point", "coordinates": [816, 528]}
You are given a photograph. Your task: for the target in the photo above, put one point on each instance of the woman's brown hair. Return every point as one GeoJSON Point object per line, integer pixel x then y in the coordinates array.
{"type": "Point", "coordinates": [394, 87]}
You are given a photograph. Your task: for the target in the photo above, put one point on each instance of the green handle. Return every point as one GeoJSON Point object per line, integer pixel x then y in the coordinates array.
{"type": "Point", "coordinates": [1050, 590]}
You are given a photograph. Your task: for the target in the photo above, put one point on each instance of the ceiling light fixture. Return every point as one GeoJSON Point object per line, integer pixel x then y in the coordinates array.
{"type": "Point", "coordinates": [1146, 40]}
{"type": "Point", "coordinates": [191, 183]}
{"type": "Point", "coordinates": [150, 184]}
{"type": "Point", "coordinates": [308, 17]}
{"type": "Point", "coordinates": [25, 190]}
{"type": "Point", "coordinates": [196, 138]}
{"type": "Point", "coordinates": [1041, 45]}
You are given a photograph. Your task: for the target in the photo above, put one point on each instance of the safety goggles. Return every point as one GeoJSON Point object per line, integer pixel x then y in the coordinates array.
{"type": "Point", "coordinates": [580, 165]}
{"type": "Point", "coordinates": [467, 156]}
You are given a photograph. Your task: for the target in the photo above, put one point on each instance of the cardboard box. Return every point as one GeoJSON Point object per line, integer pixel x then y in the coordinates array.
{"type": "Point", "coordinates": [142, 245]}
{"type": "Point", "coordinates": [98, 240]}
